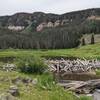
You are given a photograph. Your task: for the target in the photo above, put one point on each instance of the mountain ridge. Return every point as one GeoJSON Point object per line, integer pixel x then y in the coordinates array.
{"type": "Point", "coordinates": [50, 12]}
{"type": "Point", "coordinates": [24, 19]}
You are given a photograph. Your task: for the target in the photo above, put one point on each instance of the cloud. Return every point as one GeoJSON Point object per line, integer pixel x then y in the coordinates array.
{"type": "Point", "coordinates": [50, 6]}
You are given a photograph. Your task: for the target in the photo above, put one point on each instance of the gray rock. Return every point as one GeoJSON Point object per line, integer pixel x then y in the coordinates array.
{"type": "Point", "coordinates": [96, 94]}
{"type": "Point", "coordinates": [27, 80]}
{"type": "Point", "coordinates": [14, 91]}
{"type": "Point", "coordinates": [9, 67]}
{"type": "Point", "coordinates": [34, 82]}
{"type": "Point", "coordinates": [17, 80]}
{"type": "Point", "coordinates": [6, 96]}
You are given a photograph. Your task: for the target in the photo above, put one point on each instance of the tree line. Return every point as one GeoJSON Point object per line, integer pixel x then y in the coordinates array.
{"type": "Point", "coordinates": [47, 39]}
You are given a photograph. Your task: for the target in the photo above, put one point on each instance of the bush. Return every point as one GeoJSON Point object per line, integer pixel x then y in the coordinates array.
{"type": "Point", "coordinates": [31, 65]}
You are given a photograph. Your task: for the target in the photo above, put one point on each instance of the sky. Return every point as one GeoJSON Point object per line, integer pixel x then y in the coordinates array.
{"type": "Point", "coordinates": [9, 7]}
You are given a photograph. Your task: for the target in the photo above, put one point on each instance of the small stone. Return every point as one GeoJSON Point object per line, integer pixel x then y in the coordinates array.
{"type": "Point", "coordinates": [34, 82]}
{"type": "Point", "coordinates": [16, 80]}
{"type": "Point", "coordinates": [14, 91]}
{"type": "Point", "coordinates": [6, 96]}
{"type": "Point", "coordinates": [26, 80]}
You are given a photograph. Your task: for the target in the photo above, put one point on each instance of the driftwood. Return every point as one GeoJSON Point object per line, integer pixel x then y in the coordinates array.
{"type": "Point", "coordinates": [8, 67]}
{"type": "Point", "coordinates": [81, 87]}
{"type": "Point", "coordinates": [73, 66]}
{"type": "Point", "coordinates": [84, 69]}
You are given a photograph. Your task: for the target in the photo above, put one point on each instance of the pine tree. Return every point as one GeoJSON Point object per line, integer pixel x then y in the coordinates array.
{"type": "Point", "coordinates": [92, 39]}
{"type": "Point", "coordinates": [83, 41]}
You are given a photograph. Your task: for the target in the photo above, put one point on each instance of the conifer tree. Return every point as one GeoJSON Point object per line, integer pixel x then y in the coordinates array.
{"type": "Point", "coordinates": [92, 39]}
{"type": "Point", "coordinates": [83, 41]}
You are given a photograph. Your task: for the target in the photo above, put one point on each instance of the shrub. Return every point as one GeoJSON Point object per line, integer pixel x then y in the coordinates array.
{"type": "Point", "coordinates": [31, 65]}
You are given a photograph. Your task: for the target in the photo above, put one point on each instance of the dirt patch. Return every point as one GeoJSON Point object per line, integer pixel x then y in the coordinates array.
{"type": "Point", "coordinates": [7, 59]}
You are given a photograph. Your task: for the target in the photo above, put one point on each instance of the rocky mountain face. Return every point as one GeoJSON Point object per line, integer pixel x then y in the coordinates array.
{"type": "Point", "coordinates": [38, 20]}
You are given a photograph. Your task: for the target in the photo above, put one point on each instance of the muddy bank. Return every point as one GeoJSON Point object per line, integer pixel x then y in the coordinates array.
{"type": "Point", "coordinates": [77, 77]}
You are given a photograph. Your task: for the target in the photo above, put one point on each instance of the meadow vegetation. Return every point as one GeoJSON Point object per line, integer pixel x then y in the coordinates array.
{"type": "Point", "coordinates": [88, 52]}
{"type": "Point", "coordinates": [31, 66]}
{"type": "Point", "coordinates": [46, 89]}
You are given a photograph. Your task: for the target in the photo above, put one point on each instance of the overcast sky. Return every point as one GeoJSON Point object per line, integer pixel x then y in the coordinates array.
{"type": "Point", "coordinates": [8, 7]}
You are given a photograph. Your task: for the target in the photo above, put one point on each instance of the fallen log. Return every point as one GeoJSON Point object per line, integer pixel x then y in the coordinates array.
{"type": "Point", "coordinates": [81, 87]}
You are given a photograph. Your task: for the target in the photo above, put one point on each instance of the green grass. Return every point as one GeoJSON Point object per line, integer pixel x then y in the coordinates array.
{"type": "Point", "coordinates": [45, 89]}
{"type": "Point", "coordinates": [88, 51]}
{"type": "Point", "coordinates": [34, 92]}
{"type": "Point", "coordinates": [97, 72]}
{"type": "Point", "coordinates": [85, 98]}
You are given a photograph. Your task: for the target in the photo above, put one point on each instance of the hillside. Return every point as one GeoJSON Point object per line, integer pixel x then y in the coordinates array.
{"type": "Point", "coordinates": [49, 20]}
{"type": "Point", "coordinates": [48, 31]}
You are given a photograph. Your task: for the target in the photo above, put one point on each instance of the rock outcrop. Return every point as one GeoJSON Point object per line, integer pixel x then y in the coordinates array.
{"type": "Point", "coordinates": [16, 28]}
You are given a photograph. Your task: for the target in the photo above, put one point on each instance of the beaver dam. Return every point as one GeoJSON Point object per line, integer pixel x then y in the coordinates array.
{"type": "Point", "coordinates": [76, 75]}
{"type": "Point", "coordinates": [74, 69]}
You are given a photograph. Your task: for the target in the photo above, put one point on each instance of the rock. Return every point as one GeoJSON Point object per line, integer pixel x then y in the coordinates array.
{"type": "Point", "coordinates": [14, 91]}
{"type": "Point", "coordinates": [27, 80]}
{"type": "Point", "coordinates": [49, 24]}
{"type": "Point", "coordinates": [40, 27]}
{"type": "Point", "coordinates": [34, 82]}
{"type": "Point", "coordinates": [17, 80]}
{"type": "Point", "coordinates": [6, 96]}
{"type": "Point", "coordinates": [16, 28]}
{"type": "Point", "coordinates": [96, 95]}
{"type": "Point", "coordinates": [57, 23]}
{"type": "Point", "coordinates": [9, 67]}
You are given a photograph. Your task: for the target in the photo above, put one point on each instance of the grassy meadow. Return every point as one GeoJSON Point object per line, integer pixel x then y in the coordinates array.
{"type": "Point", "coordinates": [46, 89]}
{"type": "Point", "coordinates": [88, 52]}
{"type": "Point", "coordinates": [34, 92]}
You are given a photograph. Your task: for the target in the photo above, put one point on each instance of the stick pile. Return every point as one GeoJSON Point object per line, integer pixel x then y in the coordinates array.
{"type": "Point", "coordinates": [73, 66]}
